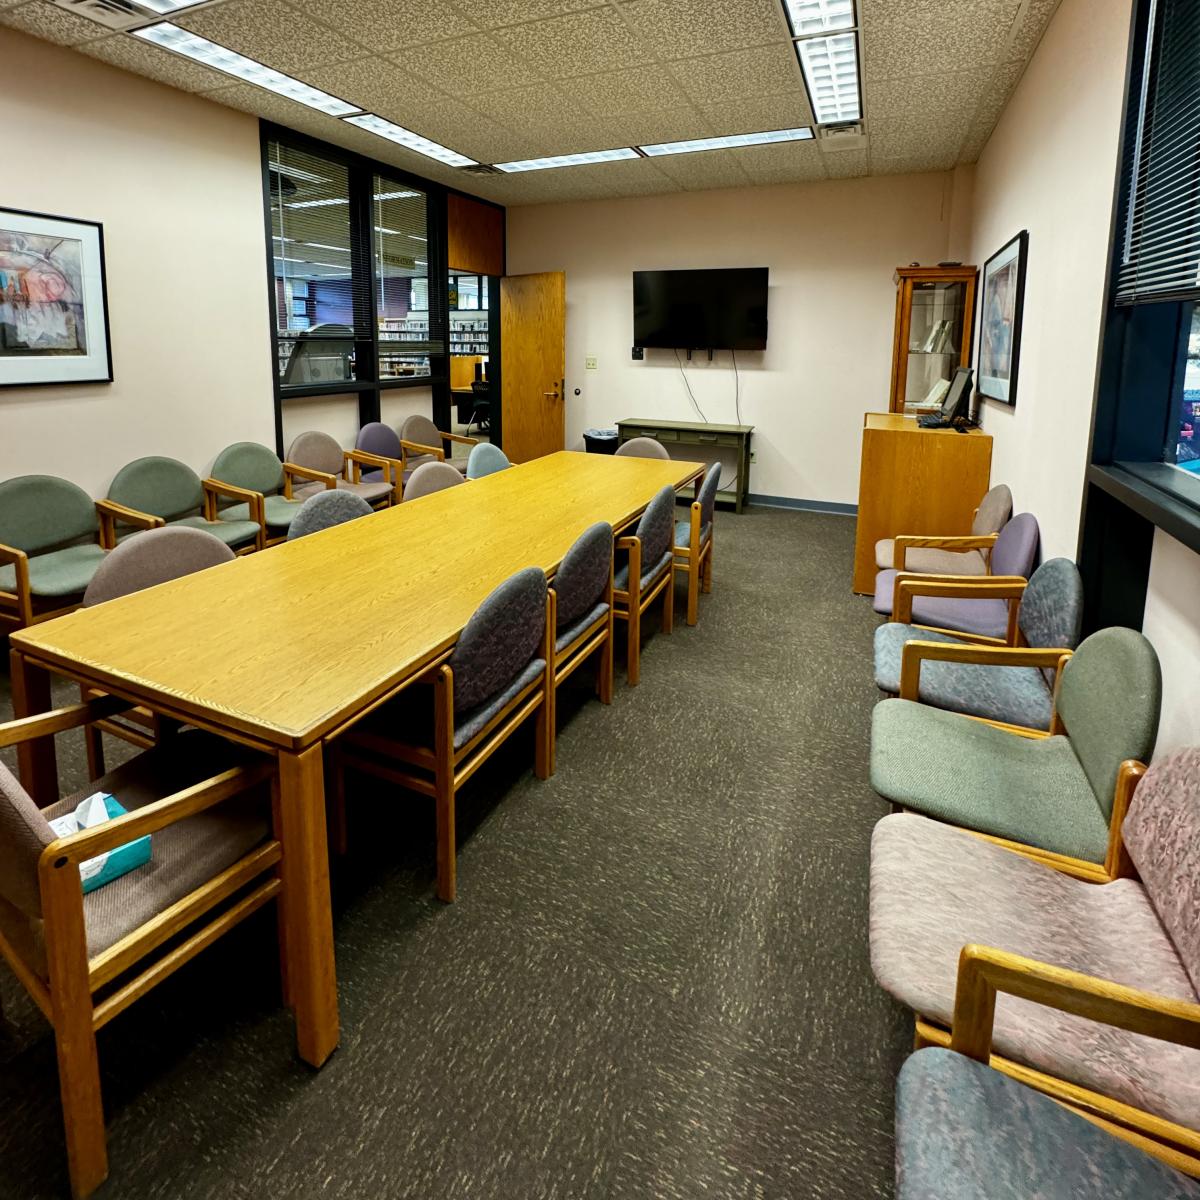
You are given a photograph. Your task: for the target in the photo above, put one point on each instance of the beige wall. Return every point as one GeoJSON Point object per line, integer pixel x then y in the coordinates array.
{"type": "Point", "coordinates": [177, 183]}
{"type": "Point", "coordinates": [1172, 623]}
{"type": "Point", "coordinates": [831, 248]}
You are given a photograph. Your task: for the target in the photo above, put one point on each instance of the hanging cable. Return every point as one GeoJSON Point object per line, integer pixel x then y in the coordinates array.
{"type": "Point", "coordinates": [737, 388]}
{"type": "Point", "coordinates": [687, 385]}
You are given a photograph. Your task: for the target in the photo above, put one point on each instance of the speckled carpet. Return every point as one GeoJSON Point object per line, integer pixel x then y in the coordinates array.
{"type": "Point", "coordinates": [655, 982]}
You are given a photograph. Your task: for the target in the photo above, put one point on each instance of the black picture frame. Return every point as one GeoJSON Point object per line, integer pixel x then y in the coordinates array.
{"type": "Point", "coordinates": [1000, 320]}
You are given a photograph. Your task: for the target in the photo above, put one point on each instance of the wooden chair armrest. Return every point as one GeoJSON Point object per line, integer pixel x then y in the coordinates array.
{"type": "Point", "coordinates": [355, 460]}
{"type": "Point", "coordinates": [408, 448]}
{"type": "Point", "coordinates": [20, 563]}
{"type": "Point", "coordinates": [291, 471]}
{"type": "Point", "coordinates": [110, 512]}
{"type": "Point", "coordinates": [983, 971]}
{"type": "Point", "coordinates": [213, 488]}
{"type": "Point", "coordinates": [626, 543]}
{"type": "Point", "coordinates": [962, 587]}
{"type": "Point", "coordinates": [460, 437]}
{"type": "Point", "coordinates": [905, 542]}
{"type": "Point", "coordinates": [12, 733]}
{"type": "Point", "coordinates": [915, 653]}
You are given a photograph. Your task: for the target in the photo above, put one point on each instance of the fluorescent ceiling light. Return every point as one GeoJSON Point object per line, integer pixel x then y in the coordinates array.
{"type": "Point", "coordinates": [567, 160]}
{"type": "Point", "coordinates": [385, 229]}
{"type": "Point", "coordinates": [808, 17]}
{"type": "Point", "coordinates": [314, 203]}
{"type": "Point", "coordinates": [323, 246]}
{"type": "Point", "coordinates": [412, 141]}
{"type": "Point", "coordinates": [201, 50]}
{"type": "Point", "coordinates": [830, 66]}
{"type": "Point", "coordinates": [726, 143]}
{"type": "Point", "coordinates": [394, 195]}
{"type": "Point", "coordinates": [168, 6]}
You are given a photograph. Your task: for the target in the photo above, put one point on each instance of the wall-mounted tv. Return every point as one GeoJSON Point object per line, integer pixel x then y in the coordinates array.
{"type": "Point", "coordinates": [723, 309]}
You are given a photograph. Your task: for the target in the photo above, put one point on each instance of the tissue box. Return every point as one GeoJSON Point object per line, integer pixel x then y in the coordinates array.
{"type": "Point", "coordinates": [104, 868]}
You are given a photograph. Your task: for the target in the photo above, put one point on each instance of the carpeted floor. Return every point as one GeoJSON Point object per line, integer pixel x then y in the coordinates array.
{"type": "Point", "coordinates": [655, 982]}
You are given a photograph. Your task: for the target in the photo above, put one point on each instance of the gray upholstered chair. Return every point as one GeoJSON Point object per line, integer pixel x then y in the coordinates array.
{"type": "Point", "coordinates": [500, 673]}
{"type": "Point", "coordinates": [324, 510]}
{"type": "Point", "coordinates": [85, 957]}
{"type": "Point", "coordinates": [319, 452]}
{"type": "Point", "coordinates": [1062, 793]}
{"type": "Point", "coordinates": [258, 472]}
{"type": "Point", "coordinates": [486, 459]}
{"type": "Point", "coordinates": [431, 477]}
{"type": "Point", "coordinates": [154, 491]}
{"type": "Point", "coordinates": [693, 541]}
{"type": "Point", "coordinates": [642, 447]}
{"type": "Point", "coordinates": [965, 1130]}
{"type": "Point", "coordinates": [955, 919]}
{"type": "Point", "coordinates": [980, 605]}
{"type": "Point", "coordinates": [643, 573]}
{"type": "Point", "coordinates": [1012, 684]}
{"type": "Point", "coordinates": [421, 441]}
{"type": "Point", "coordinates": [951, 555]}
{"type": "Point", "coordinates": [50, 548]}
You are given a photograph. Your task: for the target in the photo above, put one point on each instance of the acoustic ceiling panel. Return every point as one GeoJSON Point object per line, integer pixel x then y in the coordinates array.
{"type": "Point", "coordinates": [687, 28]}
{"type": "Point", "coordinates": [52, 24]}
{"type": "Point", "coordinates": [738, 74]}
{"type": "Point", "coordinates": [390, 24]}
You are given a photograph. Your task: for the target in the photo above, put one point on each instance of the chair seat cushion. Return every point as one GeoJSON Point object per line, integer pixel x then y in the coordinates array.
{"type": "Point", "coordinates": [989, 618]}
{"type": "Point", "coordinates": [621, 575]}
{"type": "Point", "coordinates": [935, 889]}
{"type": "Point", "coordinates": [63, 572]}
{"type": "Point", "coordinates": [683, 533]}
{"type": "Point", "coordinates": [931, 560]}
{"type": "Point", "coordinates": [472, 721]}
{"type": "Point", "coordinates": [1018, 695]}
{"type": "Point", "coordinates": [948, 766]}
{"type": "Point", "coordinates": [277, 510]}
{"type": "Point", "coordinates": [966, 1132]}
{"type": "Point", "coordinates": [371, 491]}
{"type": "Point", "coordinates": [567, 636]}
{"type": "Point", "coordinates": [230, 531]}
{"type": "Point", "coordinates": [419, 460]}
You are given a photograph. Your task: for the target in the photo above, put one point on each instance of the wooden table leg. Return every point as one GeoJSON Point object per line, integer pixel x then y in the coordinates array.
{"type": "Point", "coordinates": [36, 759]}
{"type": "Point", "coordinates": [312, 981]}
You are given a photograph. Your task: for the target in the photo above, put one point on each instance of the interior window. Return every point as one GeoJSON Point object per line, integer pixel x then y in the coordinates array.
{"type": "Point", "coordinates": [400, 237]}
{"type": "Point", "coordinates": [1183, 448]}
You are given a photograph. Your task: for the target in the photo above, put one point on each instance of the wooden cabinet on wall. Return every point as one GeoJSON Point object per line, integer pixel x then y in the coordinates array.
{"type": "Point", "coordinates": [935, 311]}
{"type": "Point", "coordinates": [474, 235]}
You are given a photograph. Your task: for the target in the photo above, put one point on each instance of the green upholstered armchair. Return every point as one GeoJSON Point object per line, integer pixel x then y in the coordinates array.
{"type": "Point", "coordinates": [49, 548]}
{"type": "Point", "coordinates": [151, 492]}
{"type": "Point", "coordinates": [249, 469]}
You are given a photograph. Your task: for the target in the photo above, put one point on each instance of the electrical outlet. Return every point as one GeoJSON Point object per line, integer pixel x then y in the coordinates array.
{"type": "Point", "coordinates": [753, 456]}
{"type": "Point", "coordinates": [589, 363]}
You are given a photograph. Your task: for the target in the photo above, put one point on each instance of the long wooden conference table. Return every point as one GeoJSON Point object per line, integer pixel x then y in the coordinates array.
{"type": "Point", "coordinates": [284, 649]}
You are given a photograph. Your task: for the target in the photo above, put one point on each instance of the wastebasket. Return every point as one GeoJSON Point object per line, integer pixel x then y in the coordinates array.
{"type": "Point", "coordinates": [600, 441]}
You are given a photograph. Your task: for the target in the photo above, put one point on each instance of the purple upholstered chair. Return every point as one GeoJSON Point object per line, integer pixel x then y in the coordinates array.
{"type": "Point", "coordinates": [377, 438]}
{"type": "Point", "coordinates": [1013, 556]}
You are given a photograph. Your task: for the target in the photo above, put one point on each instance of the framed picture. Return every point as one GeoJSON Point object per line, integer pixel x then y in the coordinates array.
{"type": "Point", "coordinates": [1000, 320]}
{"type": "Point", "coordinates": [53, 305]}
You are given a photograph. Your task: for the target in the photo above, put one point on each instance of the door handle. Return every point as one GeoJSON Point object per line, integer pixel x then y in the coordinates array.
{"type": "Point", "coordinates": [552, 395]}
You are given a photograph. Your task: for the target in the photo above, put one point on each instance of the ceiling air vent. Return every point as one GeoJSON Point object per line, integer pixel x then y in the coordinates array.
{"type": "Point", "coordinates": [848, 136]}
{"type": "Point", "coordinates": [482, 169]}
{"type": "Point", "coordinates": [112, 14]}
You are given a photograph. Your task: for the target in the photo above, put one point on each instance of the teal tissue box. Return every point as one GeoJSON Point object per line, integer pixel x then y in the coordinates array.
{"type": "Point", "coordinates": [104, 868]}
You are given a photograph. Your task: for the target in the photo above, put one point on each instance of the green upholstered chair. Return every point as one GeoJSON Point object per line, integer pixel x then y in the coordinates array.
{"type": "Point", "coordinates": [269, 483]}
{"type": "Point", "coordinates": [150, 492]}
{"type": "Point", "coordinates": [1057, 794]}
{"type": "Point", "coordinates": [49, 548]}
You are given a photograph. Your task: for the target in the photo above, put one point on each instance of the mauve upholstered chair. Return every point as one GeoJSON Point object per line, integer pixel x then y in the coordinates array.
{"type": "Point", "coordinates": [49, 547]}
{"type": "Point", "coordinates": [967, 1132]}
{"type": "Point", "coordinates": [154, 557]}
{"type": "Point", "coordinates": [642, 447]}
{"type": "Point", "coordinates": [1013, 684]}
{"type": "Point", "coordinates": [941, 558]}
{"type": "Point", "coordinates": [319, 452]}
{"type": "Point", "coordinates": [325, 510]}
{"type": "Point", "coordinates": [1062, 793]}
{"type": "Point", "coordinates": [693, 541]}
{"type": "Point", "coordinates": [421, 441]}
{"type": "Point", "coordinates": [643, 573]}
{"type": "Point", "coordinates": [433, 739]}
{"type": "Point", "coordinates": [969, 607]}
{"type": "Point", "coordinates": [486, 459]}
{"type": "Point", "coordinates": [953, 915]}
{"type": "Point", "coordinates": [431, 477]}
{"type": "Point", "coordinates": [256, 469]}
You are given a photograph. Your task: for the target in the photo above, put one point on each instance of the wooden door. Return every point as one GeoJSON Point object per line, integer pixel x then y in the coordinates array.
{"type": "Point", "coordinates": [533, 329]}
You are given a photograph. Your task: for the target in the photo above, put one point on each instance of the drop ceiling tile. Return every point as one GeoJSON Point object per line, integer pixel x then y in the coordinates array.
{"type": "Point", "coordinates": [467, 65]}
{"type": "Point", "coordinates": [738, 75]}
{"type": "Point", "coordinates": [787, 111]}
{"type": "Point", "coordinates": [922, 37]}
{"type": "Point", "coordinates": [261, 103]}
{"type": "Point", "coordinates": [575, 44]}
{"type": "Point", "coordinates": [492, 14]}
{"type": "Point", "coordinates": [133, 55]}
{"type": "Point", "coordinates": [922, 98]}
{"type": "Point", "coordinates": [911, 164]}
{"type": "Point", "coordinates": [569, 136]}
{"type": "Point", "coordinates": [847, 164]}
{"type": "Point", "coordinates": [521, 106]}
{"type": "Point", "coordinates": [53, 24]}
{"type": "Point", "coordinates": [635, 89]}
{"type": "Point", "coordinates": [383, 25]}
{"type": "Point", "coordinates": [706, 169]}
{"type": "Point", "coordinates": [685, 28]}
{"type": "Point", "coordinates": [380, 86]}
{"type": "Point", "coordinates": [995, 93]}
{"type": "Point", "coordinates": [270, 32]}
{"type": "Point", "coordinates": [906, 141]}
{"type": "Point", "coordinates": [788, 162]}
{"type": "Point", "coordinates": [1030, 29]}
{"type": "Point", "coordinates": [598, 181]}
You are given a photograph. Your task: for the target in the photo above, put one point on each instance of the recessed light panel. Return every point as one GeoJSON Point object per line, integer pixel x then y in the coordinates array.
{"type": "Point", "coordinates": [830, 66]}
{"type": "Point", "coordinates": [411, 141]}
{"type": "Point", "coordinates": [181, 41]}
{"type": "Point", "coordinates": [168, 6]}
{"type": "Point", "coordinates": [809, 17]}
{"type": "Point", "coordinates": [567, 160]}
{"type": "Point", "coordinates": [728, 143]}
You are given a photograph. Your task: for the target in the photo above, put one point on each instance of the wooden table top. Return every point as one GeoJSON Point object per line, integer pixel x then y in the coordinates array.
{"type": "Point", "coordinates": [900, 423]}
{"type": "Point", "coordinates": [289, 643]}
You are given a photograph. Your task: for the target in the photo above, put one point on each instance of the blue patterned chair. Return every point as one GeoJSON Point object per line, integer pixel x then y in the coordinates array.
{"type": "Point", "coordinates": [432, 739]}
{"type": "Point", "coordinates": [318, 451]}
{"type": "Point", "coordinates": [486, 459]}
{"type": "Point", "coordinates": [1114, 967]}
{"type": "Point", "coordinates": [951, 555]}
{"type": "Point", "coordinates": [1012, 684]}
{"type": "Point", "coordinates": [324, 510]}
{"type": "Point", "coordinates": [643, 573]}
{"type": "Point", "coordinates": [694, 541]}
{"type": "Point", "coordinates": [1063, 792]}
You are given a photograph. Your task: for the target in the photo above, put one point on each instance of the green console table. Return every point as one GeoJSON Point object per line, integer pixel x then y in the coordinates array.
{"type": "Point", "coordinates": [698, 433]}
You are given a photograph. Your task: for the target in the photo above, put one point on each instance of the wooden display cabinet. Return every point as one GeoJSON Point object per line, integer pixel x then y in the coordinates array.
{"type": "Point", "coordinates": [935, 311]}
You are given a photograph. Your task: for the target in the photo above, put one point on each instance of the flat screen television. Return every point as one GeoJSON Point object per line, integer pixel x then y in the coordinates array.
{"type": "Point", "coordinates": [724, 309]}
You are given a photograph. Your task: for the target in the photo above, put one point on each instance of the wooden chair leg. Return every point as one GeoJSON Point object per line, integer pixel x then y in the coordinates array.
{"type": "Point", "coordinates": [604, 666]}
{"type": "Point", "coordinates": [668, 617]}
{"type": "Point", "coordinates": [633, 657]}
{"type": "Point", "coordinates": [447, 852]}
{"type": "Point", "coordinates": [708, 569]}
{"type": "Point", "coordinates": [543, 754]}
{"type": "Point", "coordinates": [693, 581]}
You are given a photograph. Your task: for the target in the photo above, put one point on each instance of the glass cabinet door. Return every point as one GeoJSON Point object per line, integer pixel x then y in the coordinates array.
{"type": "Point", "coordinates": [934, 309]}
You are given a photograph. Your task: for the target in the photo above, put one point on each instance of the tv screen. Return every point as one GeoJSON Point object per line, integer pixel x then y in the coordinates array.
{"type": "Point", "coordinates": [701, 310]}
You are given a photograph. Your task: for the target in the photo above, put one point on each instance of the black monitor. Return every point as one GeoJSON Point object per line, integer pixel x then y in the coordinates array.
{"type": "Point", "coordinates": [719, 309]}
{"type": "Point", "coordinates": [958, 398]}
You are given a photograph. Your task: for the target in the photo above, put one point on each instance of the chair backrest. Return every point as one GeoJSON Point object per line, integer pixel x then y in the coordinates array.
{"type": "Point", "coordinates": [582, 575]}
{"type": "Point", "coordinates": [993, 512]}
{"type": "Point", "coordinates": [1162, 834]}
{"type": "Point", "coordinates": [317, 451]}
{"type": "Point", "coordinates": [708, 494]}
{"type": "Point", "coordinates": [420, 429]}
{"type": "Point", "coordinates": [485, 459]}
{"type": "Point", "coordinates": [325, 509]}
{"type": "Point", "coordinates": [432, 477]}
{"type": "Point", "coordinates": [656, 529]}
{"type": "Point", "coordinates": [1016, 547]}
{"type": "Point", "coordinates": [643, 447]}
{"type": "Point", "coordinates": [162, 487]}
{"type": "Point", "coordinates": [249, 465]}
{"type": "Point", "coordinates": [1051, 610]}
{"type": "Point", "coordinates": [500, 640]}
{"type": "Point", "coordinates": [38, 512]}
{"type": "Point", "coordinates": [153, 557]}
{"type": "Point", "coordinates": [1109, 701]}
{"type": "Point", "coordinates": [377, 438]}
{"type": "Point", "coordinates": [24, 834]}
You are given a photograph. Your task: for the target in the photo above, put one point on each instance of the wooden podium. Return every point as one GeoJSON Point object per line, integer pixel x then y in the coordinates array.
{"type": "Point", "coordinates": [918, 481]}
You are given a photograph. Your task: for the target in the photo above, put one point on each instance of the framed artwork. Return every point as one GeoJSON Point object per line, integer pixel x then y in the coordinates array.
{"type": "Point", "coordinates": [1000, 320]}
{"type": "Point", "coordinates": [53, 304]}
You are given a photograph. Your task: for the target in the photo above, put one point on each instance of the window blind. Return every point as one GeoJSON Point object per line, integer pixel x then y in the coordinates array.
{"type": "Point", "coordinates": [1160, 252]}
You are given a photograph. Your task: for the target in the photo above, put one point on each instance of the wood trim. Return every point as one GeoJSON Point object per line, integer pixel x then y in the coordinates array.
{"type": "Point", "coordinates": [916, 652]}
{"type": "Point", "coordinates": [474, 236]}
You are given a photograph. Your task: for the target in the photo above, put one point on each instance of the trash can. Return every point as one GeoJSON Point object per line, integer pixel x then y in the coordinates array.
{"type": "Point", "coordinates": [600, 441]}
